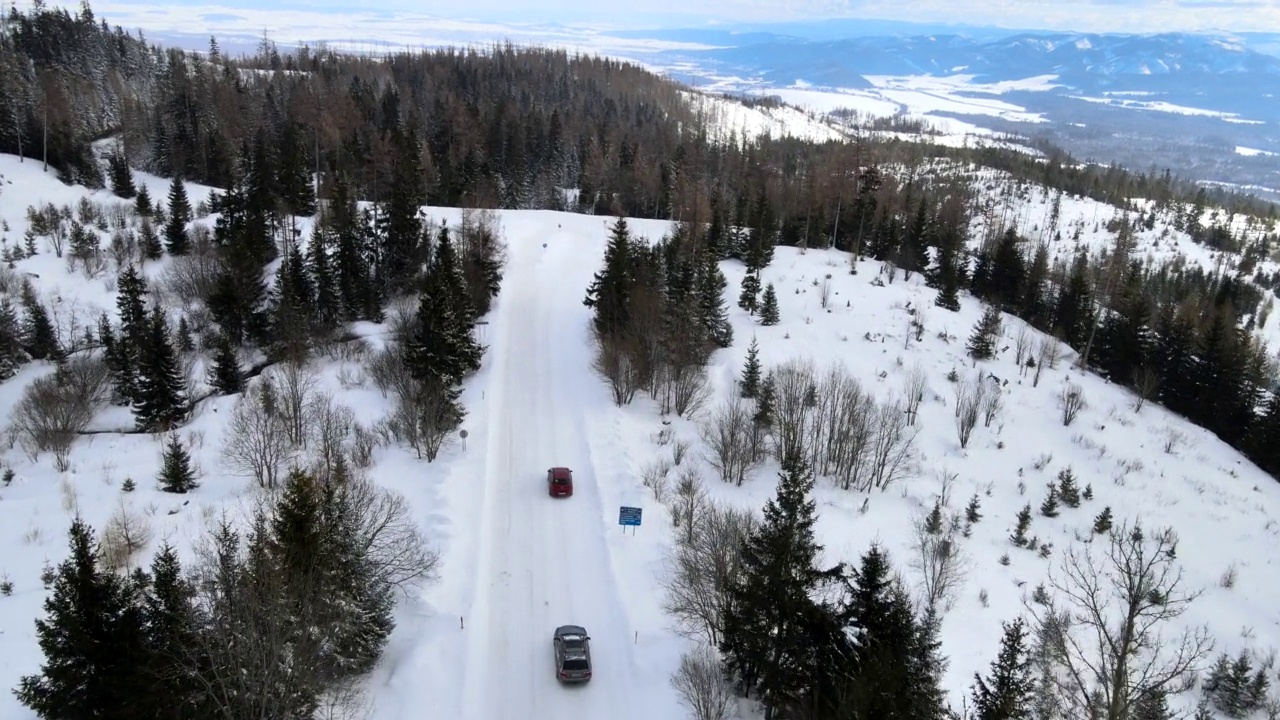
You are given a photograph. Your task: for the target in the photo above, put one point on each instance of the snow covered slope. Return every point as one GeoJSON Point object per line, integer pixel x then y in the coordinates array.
{"type": "Point", "coordinates": [517, 563]}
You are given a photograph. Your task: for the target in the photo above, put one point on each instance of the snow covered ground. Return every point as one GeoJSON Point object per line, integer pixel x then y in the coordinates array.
{"type": "Point", "coordinates": [516, 563]}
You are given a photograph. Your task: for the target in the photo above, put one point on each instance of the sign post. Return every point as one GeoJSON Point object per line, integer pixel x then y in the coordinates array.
{"type": "Point", "coordinates": [463, 434]}
{"type": "Point", "coordinates": [629, 516]}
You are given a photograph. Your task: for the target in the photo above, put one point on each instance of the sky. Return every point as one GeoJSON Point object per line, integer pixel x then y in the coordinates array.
{"type": "Point", "coordinates": [369, 18]}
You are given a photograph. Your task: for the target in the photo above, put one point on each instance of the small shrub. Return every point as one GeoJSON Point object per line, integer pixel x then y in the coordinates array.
{"type": "Point", "coordinates": [984, 598]}
{"type": "Point", "coordinates": [6, 586]}
{"type": "Point", "coordinates": [1049, 508]}
{"type": "Point", "coordinates": [128, 485]}
{"type": "Point", "coordinates": [971, 514]}
{"type": "Point", "coordinates": [1019, 536]}
{"type": "Point", "coordinates": [1040, 596]}
{"type": "Point", "coordinates": [48, 575]}
{"type": "Point", "coordinates": [1228, 579]}
{"type": "Point", "coordinates": [1004, 559]}
{"type": "Point", "coordinates": [1046, 550]}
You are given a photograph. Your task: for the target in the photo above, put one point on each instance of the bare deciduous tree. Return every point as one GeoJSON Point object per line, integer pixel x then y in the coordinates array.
{"type": "Point", "coordinates": [700, 683]}
{"type": "Point", "coordinates": [940, 562]}
{"type": "Point", "coordinates": [892, 451]}
{"type": "Point", "coordinates": [194, 277]}
{"type": "Point", "coordinates": [1106, 621]}
{"type": "Point", "coordinates": [55, 408]}
{"type": "Point", "coordinates": [330, 427]}
{"type": "Point", "coordinates": [1022, 343]}
{"type": "Point", "coordinates": [257, 442]}
{"type": "Point", "coordinates": [1146, 381]}
{"type": "Point", "coordinates": [1070, 402]}
{"type": "Point", "coordinates": [728, 437]}
{"type": "Point", "coordinates": [795, 393]}
{"type": "Point", "coordinates": [424, 418]}
{"type": "Point", "coordinates": [295, 385]}
{"type": "Point", "coordinates": [126, 533]}
{"type": "Point", "coordinates": [824, 293]}
{"type": "Point", "coordinates": [699, 573]}
{"type": "Point", "coordinates": [388, 535]}
{"type": "Point", "coordinates": [992, 404]}
{"type": "Point", "coordinates": [1048, 352]}
{"type": "Point", "coordinates": [688, 503]}
{"type": "Point", "coordinates": [615, 362]}
{"type": "Point", "coordinates": [914, 387]}
{"type": "Point", "coordinates": [969, 399]}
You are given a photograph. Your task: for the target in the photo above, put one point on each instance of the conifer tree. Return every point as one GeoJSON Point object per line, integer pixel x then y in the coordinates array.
{"type": "Point", "coordinates": [225, 374]}
{"type": "Point", "coordinates": [769, 306]}
{"type": "Point", "coordinates": [172, 627]}
{"type": "Point", "coordinates": [749, 296]}
{"type": "Point", "coordinates": [121, 176]}
{"type": "Point", "coordinates": [186, 343]}
{"type": "Point", "coordinates": [971, 513]}
{"type": "Point", "coordinates": [1102, 523]}
{"type": "Point", "coordinates": [327, 308]}
{"type": "Point", "coordinates": [92, 638]}
{"type": "Point", "coordinates": [1068, 491]}
{"type": "Point", "coordinates": [711, 303]}
{"type": "Point", "coordinates": [39, 340]}
{"type": "Point", "coordinates": [1049, 508]}
{"type": "Point", "coordinates": [149, 240]}
{"type": "Point", "coordinates": [981, 345]}
{"type": "Point", "coordinates": [400, 226]}
{"type": "Point", "coordinates": [123, 352]}
{"type": "Point", "coordinates": [441, 349]}
{"type": "Point", "coordinates": [749, 387]}
{"type": "Point", "coordinates": [161, 401]}
{"type": "Point", "coordinates": [1008, 690]}
{"type": "Point", "coordinates": [12, 356]}
{"type": "Point", "coordinates": [891, 669]}
{"type": "Point", "coordinates": [292, 303]}
{"type": "Point", "coordinates": [293, 171]}
{"type": "Point", "coordinates": [142, 204]}
{"type": "Point", "coordinates": [609, 293]}
{"type": "Point", "coordinates": [176, 475]}
{"type": "Point", "coordinates": [352, 244]}
{"type": "Point", "coordinates": [762, 642]}
{"type": "Point", "coordinates": [1019, 536]}
{"type": "Point", "coordinates": [482, 268]}
{"type": "Point", "coordinates": [175, 229]}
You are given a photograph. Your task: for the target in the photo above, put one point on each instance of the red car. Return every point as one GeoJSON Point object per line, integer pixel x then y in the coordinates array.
{"type": "Point", "coordinates": [560, 482]}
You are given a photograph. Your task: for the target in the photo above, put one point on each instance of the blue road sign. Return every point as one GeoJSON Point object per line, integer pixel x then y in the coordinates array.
{"type": "Point", "coordinates": [629, 515]}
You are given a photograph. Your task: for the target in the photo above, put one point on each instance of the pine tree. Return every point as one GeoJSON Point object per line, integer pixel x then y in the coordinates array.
{"type": "Point", "coordinates": [327, 308]}
{"type": "Point", "coordinates": [142, 204]}
{"type": "Point", "coordinates": [161, 402]}
{"type": "Point", "coordinates": [171, 626]}
{"type": "Point", "coordinates": [769, 306]}
{"type": "Point", "coordinates": [175, 229]}
{"type": "Point", "coordinates": [711, 303]}
{"type": "Point", "coordinates": [352, 245]}
{"type": "Point", "coordinates": [971, 513]}
{"type": "Point", "coordinates": [123, 352]}
{"type": "Point", "coordinates": [400, 226]}
{"type": "Point", "coordinates": [12, 356]}
{"type": "Point", "coordinates": [149, 241]}
{"type": "Point", "coordinates": [982, 342]}
{"type": "Point", "coordinates": [225, 374]}
{"type": "Point", "coordinates": [292, 305]}
{"type": "Point", "coordinates": [749, 296]}
{"type": "Point", "coordinates": [482, 268]}
{"type": "Point", "coordinates": [1019, 536]}
{"type": "Point", "coordinates": [762, 642]}
{"type": "Point", "coordinates": [749, 386]}
{"type": "Point", "coordinates": [1068, 492]}
{"type": "Point", "coordinates": [1102, 523]}
{"type": "Point", "coordinates": [39, 340]}
{"type": "Point", "coordinates": [1049, 508]}
{"type": "Point", "coordinates": [186, 343]}
{"type": "Point", "coordinates": [1073, 314]}
{"type": "Point", "coordinates": [176, 475]}
{"type": "Point", "coordinates": [92, 639]}
{"type": "Point", "coordinates": [121, 176]}
{"type": "Point", "coordinates": [1007, 692]}
{"type": "Point", "coordinates": [441, 348]}
{"type": "Point", "coordinates": [1152, 705]}
{"type": "Point", "coordinates": [609, 294]}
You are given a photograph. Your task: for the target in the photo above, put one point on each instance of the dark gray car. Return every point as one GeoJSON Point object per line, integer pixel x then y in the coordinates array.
{"type": "Point", "coordinates": [573, 654]}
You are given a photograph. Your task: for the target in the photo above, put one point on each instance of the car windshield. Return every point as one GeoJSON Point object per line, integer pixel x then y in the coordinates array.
{"type": "Point", "coordinates": [575, 664]}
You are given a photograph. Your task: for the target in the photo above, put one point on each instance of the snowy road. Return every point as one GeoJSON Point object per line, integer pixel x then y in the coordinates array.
{"type": "Point", "coordinates": [542, 562]}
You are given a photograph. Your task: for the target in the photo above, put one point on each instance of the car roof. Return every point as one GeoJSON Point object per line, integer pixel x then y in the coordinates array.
{"type": "Point", "coordinates": [571, 630]}
{"type": "Point", "coordinates": [561, 472]}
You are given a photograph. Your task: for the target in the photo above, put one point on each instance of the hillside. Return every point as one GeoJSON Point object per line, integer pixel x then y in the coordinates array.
{"type": "Point", "coordinates": [514, 563]}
